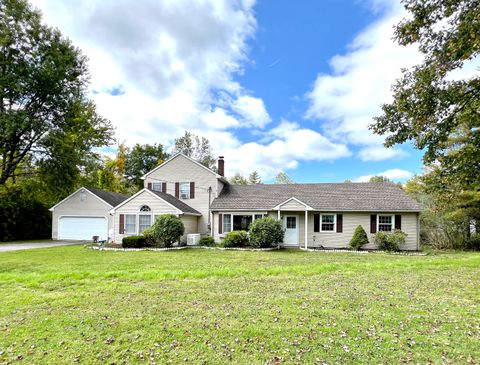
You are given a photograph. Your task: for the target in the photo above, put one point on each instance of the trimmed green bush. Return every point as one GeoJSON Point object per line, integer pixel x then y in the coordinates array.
{"type": "Point", "coordinates": [134, 242]}
{"type": "Point", "coordinates": [235, 239]}
{"type": "Point", "coordinates": [207, 241]}
{"type": "Point", "coordinates": [266, 232]}
{"type": "Point", "coordinates": [359, 238]}
{"type": "Point", "coordinates": [390, 241]}
{"type": "Point", "coordinates": [149, 237]}
{"type": "Point", "coordinates": [167, 229]}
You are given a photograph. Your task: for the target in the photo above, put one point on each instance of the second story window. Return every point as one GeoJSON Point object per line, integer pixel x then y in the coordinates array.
{"type": "Point", "coordinates": [185, 190]}
{"type": "Point", "coordinates": [157, 186]}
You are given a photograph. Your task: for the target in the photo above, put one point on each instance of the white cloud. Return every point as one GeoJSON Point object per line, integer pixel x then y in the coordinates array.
{"type": "Point", "coordinates": [392, 174]}
{"type": "Point", "coordinates": [351, 95]}
{"type": "Point", "coordinates": [288, 145]}
{"type": "Point", "coordinates": [175, 62]}
{"type": "Point", "coordinates": [252, 110]}
{"type": "Point", "coordinates": [380, 153]}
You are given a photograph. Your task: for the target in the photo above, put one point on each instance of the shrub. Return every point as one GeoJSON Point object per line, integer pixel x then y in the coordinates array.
{"type": "Point", "coordinates": [266, 232]}
{"type": "Point", "coordinates": [149, 237]}
{"type": "Point", "coordinates": [167, 229]}
{"type": "Point", "coordinates": [473, 242]}
{"type": "Point", "coordinates": [390, 241]}
{"type": "Point", "coordinates": [134, 242]}
{"type": "Point", "coordinates": [207, 241]}
{"type": "Point", "coordinates": [235, 239]}
{"type": "Point", "coordinates": [359, 238]}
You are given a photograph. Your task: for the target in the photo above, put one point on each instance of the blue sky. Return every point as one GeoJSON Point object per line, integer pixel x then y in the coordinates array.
{"type": "Point", "coordinates": [274, 85]}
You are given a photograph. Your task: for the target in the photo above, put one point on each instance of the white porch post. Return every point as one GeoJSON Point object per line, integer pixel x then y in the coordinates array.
{"type": "Point", "coordinates": [278, 214]}
{"type": "Point", "coordinates": [306, 227]}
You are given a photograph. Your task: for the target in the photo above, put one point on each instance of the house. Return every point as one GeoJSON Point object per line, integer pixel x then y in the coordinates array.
{"type": "Point", "coordinates": [313, 215]}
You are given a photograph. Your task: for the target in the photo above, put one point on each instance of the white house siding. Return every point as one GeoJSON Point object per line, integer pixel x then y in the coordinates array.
{"type": "Point", "coordinates": [157, 206]}
{"type": "Point", "coordinates": [191, 225]}
{"type": "Point", "coordinates": [351, 221]}
{"type": "Point", "coordinates": [181, 169]}
{"type": "Point", "coordinates": [340, 240]}
{"type": "Point", "coordinates": [73, 207]}
{"type": "Point", "coordinates": [292, 204]}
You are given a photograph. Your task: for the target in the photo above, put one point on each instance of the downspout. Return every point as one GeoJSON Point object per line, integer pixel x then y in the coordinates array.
{"type": "Point", "coordinates": [209, 211]}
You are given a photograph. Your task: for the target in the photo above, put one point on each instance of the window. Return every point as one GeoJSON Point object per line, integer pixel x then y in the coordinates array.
{"type": "Point", "coordinates": [145, 208]}
{"type": "Point", "coordinates": [144, 222]}
{"type": "Point", "coordinates": [291, 222]}
{"type": "Point", "coordinates": [130, 223]}
{"type": "Point", "coordinates": [227, 223]}
{"type": "Point", "coordinates": [157, 186]}
{"type": "Point", "coordinates": [258, 216]}
{"type": "Point", "coordinates": [241, 222]}
{"type": "Point", "coordinates": [328, 223]}
{"type": "Point", "coordinates": [185, 190]}
{"type": "Point", "coordinates": [385, 223]}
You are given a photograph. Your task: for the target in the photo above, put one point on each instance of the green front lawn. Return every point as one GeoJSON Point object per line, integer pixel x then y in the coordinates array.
{"type": "Point", "coordinates": [71, 305]}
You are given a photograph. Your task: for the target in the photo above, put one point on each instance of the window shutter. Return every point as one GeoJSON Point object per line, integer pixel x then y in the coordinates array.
{"type": "Point", "coordinates": [177, 190]}
{"type": "Point", "coordinates": [339, 223]}
{"type": "Point", "coordinates": [398, 221]}
{"type": "Point", "coordinates": [164, 187]}
{"type": "Point", "coordinates": [149, 185]}
{"type": "Point", "coordinates": [316, 223]}
{"type": "Point", "coordinates": [220, 223]}
{"type": "Point", "coordinates": [192, 190]}
{"type": "Point", "coordinates": [373, 223]}
{"type": "Point", "coordinates": [121, 228]}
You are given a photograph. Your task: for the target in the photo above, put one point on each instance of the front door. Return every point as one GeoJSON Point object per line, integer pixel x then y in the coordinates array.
{"type": "Point", "coordinates": [290, 223]}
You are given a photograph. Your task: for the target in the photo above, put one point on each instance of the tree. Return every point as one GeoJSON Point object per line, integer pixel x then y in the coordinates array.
{"type": "Point", "coordinates": [45, 116]}
{"type": "Point", "coordinates": [238, 179]}
{"type": "Point", "coordinates": [167, 229]}
{"type": "Point", "coordinates": [283, 178]}
{"type": "Point", "coordinates": [379, 178]}
{"type": "Point", "coordinates": [359, 238]}
{"type": "Point", "coordinates": [254, 178]}
{"type": "Point", "coordinates": [196, 147]}
{"type": "Point", "coordinates": [141, 159]}
{"type": "Point", "coordinates": [439, 113]}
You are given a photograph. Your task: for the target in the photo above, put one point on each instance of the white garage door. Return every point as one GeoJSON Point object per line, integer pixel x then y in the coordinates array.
{"type": "Point", "coordinates": [82, 228]}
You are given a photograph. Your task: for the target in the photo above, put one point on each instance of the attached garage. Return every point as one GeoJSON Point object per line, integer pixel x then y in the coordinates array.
{"type": "Point", "coordinates": [82, 228]}
{"type": "Point", "coordinates": [84, 214]}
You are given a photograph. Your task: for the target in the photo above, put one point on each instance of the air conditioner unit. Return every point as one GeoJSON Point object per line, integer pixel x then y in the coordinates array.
{"type": "Point", "coordinates": [193, 239]}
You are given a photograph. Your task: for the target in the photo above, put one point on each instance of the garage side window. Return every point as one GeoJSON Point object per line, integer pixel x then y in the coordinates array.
{"type": "Point", "coordinates": [130, 223]}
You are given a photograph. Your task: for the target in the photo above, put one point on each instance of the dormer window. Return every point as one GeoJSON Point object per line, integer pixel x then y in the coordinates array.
{"type": "Point", "coordinates": [145, 208]}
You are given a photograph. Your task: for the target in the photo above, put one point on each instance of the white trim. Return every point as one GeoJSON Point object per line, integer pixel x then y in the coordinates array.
{"type": "Point", "coordinates": [79, 190]}
{"type": "Point", "coordinates": [188, 158]}
{"type": "Point", "coordinates": [177, 211]}
{"type": "Point", "coordinates": [334, 223]}
{"type": "Point", "coordinates": [317, 210]}
{"type": "Point", "coordinates": [306, 228]}
{"type": "Point", "coordinates": [386, 215]}
{"type": "Point", "coordinates": [278, 207]}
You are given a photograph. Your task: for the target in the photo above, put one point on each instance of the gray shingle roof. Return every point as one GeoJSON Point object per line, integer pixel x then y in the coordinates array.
{"type": "Point", "coordinates": [177, 203]}
{"type": "Point", "coordinates": [111, 198]}
{"type": "Point", "coordinates": [323, 197]}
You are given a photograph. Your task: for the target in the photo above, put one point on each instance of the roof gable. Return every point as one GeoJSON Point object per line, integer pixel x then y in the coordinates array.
{"type": "Point", "coordinates": [179, 206]}
{"type": "Point", "coordinates": [107, 197]}
{"type": "Point", "coordinates": [188, 158]}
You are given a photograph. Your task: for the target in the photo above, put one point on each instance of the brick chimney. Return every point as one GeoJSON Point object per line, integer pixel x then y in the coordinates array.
{"type": "Point", "coordinates": [221, 166]}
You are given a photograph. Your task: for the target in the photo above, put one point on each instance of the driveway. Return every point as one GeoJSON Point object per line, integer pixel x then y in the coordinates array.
{"type": "Point", "coordinates": [4, 247]}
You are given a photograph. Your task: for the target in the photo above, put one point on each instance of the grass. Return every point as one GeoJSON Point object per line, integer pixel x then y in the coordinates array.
{"type": "Point", "coordinates": [71, 305]}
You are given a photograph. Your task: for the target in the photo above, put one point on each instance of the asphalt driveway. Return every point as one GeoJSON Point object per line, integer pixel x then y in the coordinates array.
{"type": "Point", "coordinates": [16, 246]}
